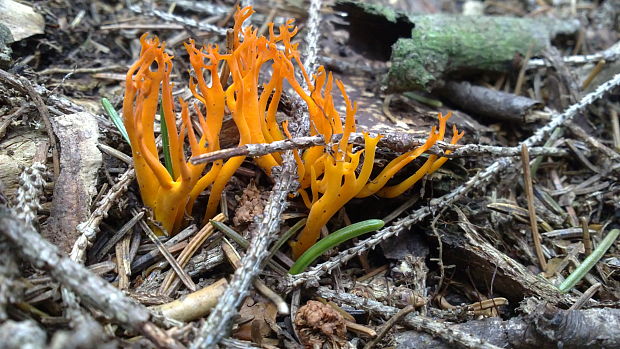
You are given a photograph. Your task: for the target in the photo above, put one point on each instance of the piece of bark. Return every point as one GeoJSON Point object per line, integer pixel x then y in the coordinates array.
{"type": "Point", "coordinates": [20, 19]}
{"type": "Point", "coordinates": [74, 189]}
{"type": "Point", "coordinates": [17, 21]}
{"type": "Point", "coordinates": [494, 104]}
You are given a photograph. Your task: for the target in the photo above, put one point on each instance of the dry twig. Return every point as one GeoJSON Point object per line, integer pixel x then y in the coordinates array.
{"type": "Point", "coordinates": [610, 54]}
{"type": "Point", "coordinates": [388, 325]}
{"type": "Point", "coordinates": [529, 192]}
{"type": "Point", "coordinates": [90, 228]}
{"type": "Point", "coordinates": [235, 260]}
{"type": "Point", "coordinates": [396, 142]}
{"type": "Point", "coordinates": [189, 283]}
{"type": "Point", "coordinates": [195, 243]}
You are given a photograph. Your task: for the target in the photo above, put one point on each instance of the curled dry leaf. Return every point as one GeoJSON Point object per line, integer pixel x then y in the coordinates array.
{"type": "Point", "coordinates": [319, 324]}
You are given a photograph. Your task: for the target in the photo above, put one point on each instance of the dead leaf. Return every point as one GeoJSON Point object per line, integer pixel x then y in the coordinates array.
{"type": "Point", "coordinates": [21, 20]}
{"type": "Point", "coordinates": [258, 319]}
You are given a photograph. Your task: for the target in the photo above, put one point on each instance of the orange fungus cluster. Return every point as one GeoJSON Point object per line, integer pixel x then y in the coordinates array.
{"type": "Point", "coordinates": [329, 175]}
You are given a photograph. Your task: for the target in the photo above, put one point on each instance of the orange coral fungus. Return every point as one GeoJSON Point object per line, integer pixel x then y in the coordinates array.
{"type": "Point", "coordinates": [336, 164]}
{"type": "Point", "coordinates": [431, 165]}
{"type": "Point", "coordinates": [329, 175]}
{"type": "Point", "coordinates": [148, 83]}
{"type": "Point", "coordinates": [339, 183]}
{"type": "Point", "coordinates": [254, 113]}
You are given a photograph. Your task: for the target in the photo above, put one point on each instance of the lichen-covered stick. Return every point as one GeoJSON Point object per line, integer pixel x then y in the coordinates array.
{"type": "Point", "coordinates": [203, 6]}
{"type": "Point", "coordinates": [30, 189]}
{"type": "Point", "coordinates": [174, 18]}
{"type": "Point", "coordinates": [610, 54]}
{"type": "Point", "coordinates": [395, 142]}
{"type": "Point", "coordinates": [219, 321]}
{"type": "Point", "coordinates": [89, 228]}
{"type": "Point", "coordinates": [313, 35]}
{"type": "Point", "coordinates": [11, 287]}
{"type": "Point", "coordinates": [478, 181]}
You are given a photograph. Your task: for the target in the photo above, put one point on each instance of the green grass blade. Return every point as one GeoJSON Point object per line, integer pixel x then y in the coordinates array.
{"type": "Point", "coordinates": [116, 119]}
{"type": "Point", "coordinates": [165, 141]}
{"type": "Point", "coordinates": [332, 240]}
{"type": "Point", "coordinates": [589, 262]}
{"type": "Point", "coordinates": [231, 234]}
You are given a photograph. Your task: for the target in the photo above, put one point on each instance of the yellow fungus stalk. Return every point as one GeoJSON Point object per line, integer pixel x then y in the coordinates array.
{"type": "Point", "coordinates": [148, 84]}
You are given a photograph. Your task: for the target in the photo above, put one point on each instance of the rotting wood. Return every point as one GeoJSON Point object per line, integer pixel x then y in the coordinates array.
{"type": "Point", "coordinates": [442, 44]}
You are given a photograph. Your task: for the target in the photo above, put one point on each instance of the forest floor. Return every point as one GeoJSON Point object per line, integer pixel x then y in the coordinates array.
{"type": "Point", "coordinates": [478, 254]}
